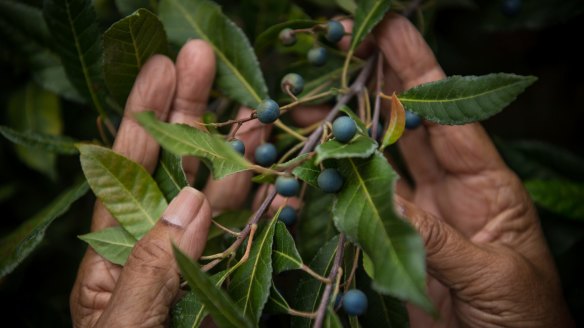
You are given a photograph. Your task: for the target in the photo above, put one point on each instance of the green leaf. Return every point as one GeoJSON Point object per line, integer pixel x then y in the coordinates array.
{"type": "Point", "coordinates": [124, 187]}
{"type": "Point", "coordinates": [127, 7]}
{"type": "Point", "coordinates": [332, 320]}
{"type": "Point", "coordinates": [114, 244]}
{"type": "Point", "coordinates": [74, 30]}
{"type": "Point", "coordinates": [169, 175]}
{"type": "Point", "coordinates": [285, 255]}
{"type": "Point", "coordinates": [561, 197]}
{"type": "Point", "coordinates": [17, 245]}
{"type": "Point", "coordinates": [250, 283]}
{"type": "Point", "coordinates": [349, 6]}
{"type": "Point", "coordinates": [554, 157]}
{"type": "Point", "coordinates": [367, 15]}
{"type": "Point", "coordinates": [276, 302]}
{"type": "Point", "coordinates": [465, 99]}
{"type": "Point", "coordinates": [183, 140]}
{"type": "Point", "coordinates": [307, 172]}
{"type": "Point", "coordinates": [224, 311]}
{"type": "Point", "coordinates": [364, 211]}
{"type": "Point", "coordinates": [238, 72]}
{"type": "Point", "coordinates": [36, 110]}
{"type": "Point", "coordinates": [229, 219]}
{"type": "Point", "coordinates": [315, 226]}
{"type": "Point", "coordinates": [525, 166]}
{"type": "Point", "coordinates": [51, 143]}
{"type": "Point", "coordinates": [360, 146]}
{"type": "Point", "coordinates": [127, 45]}
{"type": "Point", "coordinates": [397, 123]}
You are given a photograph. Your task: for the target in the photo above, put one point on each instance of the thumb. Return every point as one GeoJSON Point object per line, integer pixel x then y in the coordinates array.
{"type": "Point", "coordinates": [150, 279]}
{"type": "Point", "coordinates": [450, 257]}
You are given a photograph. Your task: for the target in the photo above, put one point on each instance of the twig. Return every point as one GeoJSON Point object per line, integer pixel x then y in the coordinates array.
{"type": "Point", "coordinates": [379, 78]}
{"type": "Point", "coordinates": [315, 275]}
{"type": "Point", "coordinates": [224, 228]}
{"type": "Point", "coordinates": [291, 132]}
{"type": "Point", "coordinates": [309, 315]}
{"type": "Point", "coordinates": [327, 290]}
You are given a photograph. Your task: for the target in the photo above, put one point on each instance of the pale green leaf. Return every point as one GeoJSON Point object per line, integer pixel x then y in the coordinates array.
{"type": "Point", "coordinates": [224, 311]}
{"type": "Point", "coordinates": [364, 211]}
{"type": "Point", "coordinates": [124, 187]}
{"type": "Point", "coordinates": [562, 197]}
{"type": "Point", "coordinates": [51, 143]}
{"type": "Point", "coordinates": [285, 255]}
{"type": "Point", "coordinates": [238, 72]}
{"type": "Point", "coordinates": [465, 99]}
{"type": "Point", "coordinates": [276, 302]}
{"type": "Point", "coordinates": [250, 283]}
{"type": "Point", "coordinates": [114, 244]}
{"type": "Point", "coordinates": [17, 245]}
{"type": "Point", "coordinates": [183, 140]}
{"type": "Point", "coordinates": [360, 146]}
{"type": "Point", "coordinates": [127, 45]}
{"type": "Point", "coordinates": [169, 175]}
{"type": "Point", "coordinates": [367, 15]}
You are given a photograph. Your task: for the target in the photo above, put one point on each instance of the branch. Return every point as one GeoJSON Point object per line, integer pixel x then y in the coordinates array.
{"type": "Point", "coordinates": [327, 291]}
{"type": "Point", "coordinates": [379, 77]}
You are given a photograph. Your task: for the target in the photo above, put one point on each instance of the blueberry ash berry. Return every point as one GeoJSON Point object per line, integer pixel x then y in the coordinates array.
{"type": "Point", "coordinates": [287, 186]}
{"type": "Point", "coordinates": [412, 120]}
{"type": "Point", "coordinates": [344, 129]}
{"type": "Point", "coordinates": [287, 37]}
{"type": "Point", "coordinates": [266, 154]}
{"type": "Point", "coordinates": [268, 111]}
{"type": "Point", "coordinates": [511, 7]}
{"type": "Point", "coordinates": [330, 181]}
{"type": "Point", "coordinates": [334, 31]}
{"type": "Point", "coordinates": [238, 146]}
{"type": "Point", "coordinates": [293, 82]}
{"type": "Point", "coordinates": [355, 302]}
{"type": "Point", "coordinates": [288, 215]}
{"type": "Point", "coordinates": [317, 56]}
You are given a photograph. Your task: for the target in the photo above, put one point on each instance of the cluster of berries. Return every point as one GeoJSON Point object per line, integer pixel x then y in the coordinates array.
{"type": "Point", "coordinates": [333, 32]}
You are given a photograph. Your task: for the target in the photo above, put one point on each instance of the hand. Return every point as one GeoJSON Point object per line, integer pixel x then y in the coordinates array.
{"type": "Point", "coordinates": [141, 293]}
{"type": "Point", "coordinates": [488, 262]}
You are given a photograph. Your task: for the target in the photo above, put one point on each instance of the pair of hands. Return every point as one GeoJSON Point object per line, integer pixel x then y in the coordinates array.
{"type": "Point", "coordinates": [487, 260]}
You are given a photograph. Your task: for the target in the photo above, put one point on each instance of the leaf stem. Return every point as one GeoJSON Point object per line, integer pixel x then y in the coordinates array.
{"type": "Point", "coordinates": [315, 275]}
{"type": "Point", "coordinates": [327, 291]}
{"type": "Point", "coordinates": [222, 227]}
{"type": "Point", "coordinates": [288, 130]}
{"type": "Point", "coordinates": [309, 315]}
{"type": "Point", "coordinates": [346, 68]}
{"type": "Point", "coordinates": [305, 100]}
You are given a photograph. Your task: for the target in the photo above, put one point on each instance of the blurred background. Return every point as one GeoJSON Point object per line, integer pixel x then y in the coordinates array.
{"type": "Point", "coordinates": [539, 134]}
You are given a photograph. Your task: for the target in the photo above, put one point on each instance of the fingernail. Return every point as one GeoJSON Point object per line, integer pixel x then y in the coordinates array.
{"type": "Point", "coordinates": [184, 207]}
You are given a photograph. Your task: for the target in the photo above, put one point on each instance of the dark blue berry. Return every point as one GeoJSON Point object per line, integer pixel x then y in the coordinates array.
{"type": "Point", "coordinates": [288, 215]}
{"type": "Point", "coordinates": [330, 181]}
{"type": "Point", "coordinates": [412, 120]}
{"type": "Point", "coordinates": [287, 186]}
{"type": "Point", "coordinates": [317, 56]}
{"type": "Point", "coordinates": [287, 37]}
{"type": "Point", "coordinates": [334, 31]}
{"type": "Point", "coordinates": [355, 302]}
{"type": "Point", "coordinates": [344, 129]}
{"type": "Point", "coordinates": [511, 7]}
{"type": "Point", "coordinates": [268, 111]}
{"type": "Point", "coordinates": [379, 131]}
{"type": "Point", "coordinates": [266, 154]}
{"type": "Point", "coordinates": [238, 146]}
{"type": "Point", "coordinates": [294, 82]}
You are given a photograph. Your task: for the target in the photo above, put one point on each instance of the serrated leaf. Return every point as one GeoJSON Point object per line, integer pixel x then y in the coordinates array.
{"type": "Point", "coordinates": [229, 219]}
{"type": "Point", "coordinates": [364, 211]}
{"type": "Point", "coordinates": [309, 290]}
{"type": "Point", "coordinates": [74, 30]}
{"type": "Point", "coordinates": [169, 175]}
{"type": "Point", "coordinates": [182, 140]}
{"type": "Point", "coordinates": [465, 99]}
{"type": "Point", "coordinates": [224, 311]}
{"type": "Point", "coordinates": [17, 245]}
{"type": "Point", "coordinates": [315, 226]}
{"type": "Point", "coordinates": [124, 187]}
{"type": "Point", "coordinates": [367, 15]}
{"type": "Point", "coordinates": [127, 7]}
{"type": "Point", "coordinates": [276, 302]}
{"type": "Point", "coordinates": [56, 144]}
{"type": "Point", "coordinates": [562, 197]}
{"type": "Point", "coordinates": [285, 255]}
{"type": "Point", "coordinates": [189, 312]}
{"type": "Point", "coordinates": [238, 72]}
{"type": "Point", "coordinates": [127, 45]}
{"type": "Point", "coordinates": [307, 172]}
{"type": "Point", "coordinates": [397, 123]}
{"type": "Point", "coordinates": [360, 146]}
{"type": "Point", "coordinates": [114, 244]}
{"type": "Point", "coordinates": [250, 283]}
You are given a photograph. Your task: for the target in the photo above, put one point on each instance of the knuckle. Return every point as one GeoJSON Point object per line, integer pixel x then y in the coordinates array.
{"type": "Point", "coordinates": [150, 257]}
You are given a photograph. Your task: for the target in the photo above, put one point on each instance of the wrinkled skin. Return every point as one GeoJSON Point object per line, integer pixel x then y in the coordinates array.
{"type": "Point", "coordinates": [488, 262]}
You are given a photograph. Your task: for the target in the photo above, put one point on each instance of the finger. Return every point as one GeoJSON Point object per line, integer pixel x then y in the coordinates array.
{"type": "Point", "coordinates": [150, 279]}
{"type": "Point", "coordinates": [231, 191]}
{"type": "Point", "coordinates": [195, 71]}
{"type": "Point", "coordinates": [305, 116]}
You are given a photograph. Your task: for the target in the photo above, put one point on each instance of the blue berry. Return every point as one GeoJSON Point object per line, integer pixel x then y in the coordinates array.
{"type": "Point", "coordinates": [511, 7]}
{"type": "Point", "coordinates": [317, 56]}
{"type": "Point", "coordinates": [379, 131]}
{"type": "Point", "coordinates": [238, 146]}
{"type": "Point", "coordinates": [355, 302]}
{"type": "Point", "coordinates": [268, 111]}
{"type": "Point", "coordinates": [344, 129]}
{"type": "Point", "coordinates": [294, 82]}
{"type": "Point", "coordinates": [266, 154]}
{"type": "Point", "coordinates": [334, 31]}
{"type": "Point", "coordinates": [412, 120]}
{"type": "Point", "coordinates": [287, 37]}
{"type": "Point", "coordinates": [330, 181]}
{"type": "Point", "coordinates": [288, 215]}
{"type": "Point", "coordinates": [287, 186]}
